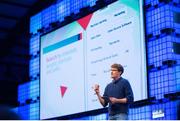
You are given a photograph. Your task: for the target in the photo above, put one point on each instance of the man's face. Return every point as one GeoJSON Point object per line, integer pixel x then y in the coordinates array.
{"type": "Point", "coordinates": [115, 73]}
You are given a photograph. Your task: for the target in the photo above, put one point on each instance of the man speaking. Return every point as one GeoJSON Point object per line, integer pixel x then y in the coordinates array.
{"type": "Point", "coordinates": [118, 94]}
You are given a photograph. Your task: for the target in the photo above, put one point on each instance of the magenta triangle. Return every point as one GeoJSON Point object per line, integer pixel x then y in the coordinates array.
{"type": "Point", "coordinates": [85, 21]}
{"type": "Point", "coordinates": [63, 90]}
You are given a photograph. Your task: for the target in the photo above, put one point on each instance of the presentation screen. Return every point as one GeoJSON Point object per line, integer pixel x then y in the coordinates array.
{"type": "Point", "coordinates": [79, 55]}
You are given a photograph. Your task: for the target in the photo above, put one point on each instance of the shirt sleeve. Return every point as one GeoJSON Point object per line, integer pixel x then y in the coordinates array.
{"type": "Point", "coordinates": [129, 93]}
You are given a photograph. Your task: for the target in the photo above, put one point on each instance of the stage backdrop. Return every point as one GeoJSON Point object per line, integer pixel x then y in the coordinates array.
{"type": "Point", "coordinates": [75, 57]}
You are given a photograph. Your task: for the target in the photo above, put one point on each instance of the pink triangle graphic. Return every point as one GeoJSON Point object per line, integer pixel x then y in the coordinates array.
{"type": "Point", "coordinates": [63, 90]}
{"type": "Point", "coordinates": [85, 21]}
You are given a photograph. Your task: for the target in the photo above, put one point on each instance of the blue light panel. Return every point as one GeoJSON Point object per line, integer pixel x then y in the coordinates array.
{"type": "Point", "coordinates": [48, 16]}
{"type": "Point", "coordinates": [35, 23]}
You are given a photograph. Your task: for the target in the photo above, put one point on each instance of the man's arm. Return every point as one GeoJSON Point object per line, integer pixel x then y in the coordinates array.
{"type": "Point", "coordinates": [129, 93]}
{"type": "Point", "coordinates": [116, 100]}
{"type": "Point", "coordinates": [100, 98]}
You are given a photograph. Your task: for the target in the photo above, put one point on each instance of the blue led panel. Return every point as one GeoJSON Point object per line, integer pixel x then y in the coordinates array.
{"type": "Point", "coordinates": [34, 45]}
{"type": "Point", "coordinates": [34, 67]}
{"type": "Point", "coordinates": [91, 2]}
{"type": "Point", "coordinates": [24, 112]}
{"type": "Point", "coordinates": [48, 15]}
{"type": "Point", "coordinates": [34, 111]}
{"type": "Point", "coordinates": [23, 93]}
{"type": "Point", "coordinates": [76, 5]}
{"type": "Point", "coordinates": [34, 89]}
{"type": "Point", "coordinates": [158, 19]}
{"type": "Point", "coordinates": [35, 23]}
{"type": "Point", "coordinates": [63, 9]}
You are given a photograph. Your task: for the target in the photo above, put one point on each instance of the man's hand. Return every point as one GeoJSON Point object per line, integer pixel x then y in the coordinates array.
{"type": "Point", "coordinates": [96, 88]}
{"type": "Point", "coordinates": [113, 100]}
{"type": "Point", "coordinates": [101, 100]}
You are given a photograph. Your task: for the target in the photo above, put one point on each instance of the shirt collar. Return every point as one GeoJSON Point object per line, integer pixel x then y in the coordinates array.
{"type": "Point", "coordinates": [115, 81]}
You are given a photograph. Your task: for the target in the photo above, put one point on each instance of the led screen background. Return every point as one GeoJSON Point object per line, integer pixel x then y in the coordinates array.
{"type": "Point", "coordinates": [79, 55]}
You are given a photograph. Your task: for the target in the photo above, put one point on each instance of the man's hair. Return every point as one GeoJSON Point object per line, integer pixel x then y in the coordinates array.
{"type": "Point", "coordinates": [119, 67]}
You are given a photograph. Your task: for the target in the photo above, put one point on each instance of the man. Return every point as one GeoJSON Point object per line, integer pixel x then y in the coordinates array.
{"type": "Point", "coordinates": [118, 94]}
